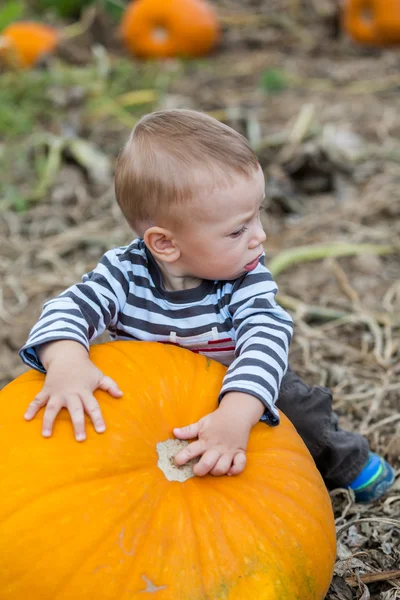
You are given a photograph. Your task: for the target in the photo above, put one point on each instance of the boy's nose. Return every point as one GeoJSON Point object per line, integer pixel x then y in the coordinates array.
{"type": "Point", "coordinates": [258, 237]}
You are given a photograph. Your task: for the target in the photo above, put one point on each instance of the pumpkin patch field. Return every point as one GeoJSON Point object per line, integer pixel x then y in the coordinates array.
{"type": "Point", "coordinates": [314, 87]}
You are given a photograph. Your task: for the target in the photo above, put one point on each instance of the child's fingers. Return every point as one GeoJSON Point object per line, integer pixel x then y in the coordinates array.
{"type": "Point", "coordinates": [108, 385]}
{"type": "Point", "coordinates": [191, 451]}
{"type": "Point", "coordinates": [92, 409]}
{"type": "Point", "coordinates": [75, 408]}
{"type": "Point", "coordinates": [54, 405]}
{"type": "Point", "coordinates": [239, 463]}
{"type": "Point", "coordinates": [207, 462]}
{"type": "Point", "coordinates": [187, 433]}
{"type": "Point", "coordinates": [36, 405]}
{"type": "Point", "coordinates": [222, 465]}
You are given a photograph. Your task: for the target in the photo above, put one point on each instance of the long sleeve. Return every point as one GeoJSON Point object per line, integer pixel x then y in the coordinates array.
{"type": "Point", "coordinates": [263, 335]}
{"type": "Point", "coordinates": [83, 311]}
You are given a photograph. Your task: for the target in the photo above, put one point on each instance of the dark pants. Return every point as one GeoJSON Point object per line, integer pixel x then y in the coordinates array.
{"type": "Point", "coordinates": [339, 455]}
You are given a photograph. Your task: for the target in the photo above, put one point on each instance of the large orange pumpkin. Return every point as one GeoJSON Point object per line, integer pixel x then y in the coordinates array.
{"type": "Point", "coordinates": [24, 43]}
{"type": "Point", "coordinates": [100, 520]}
{"type": "Point", "coordinates": [167, 28]}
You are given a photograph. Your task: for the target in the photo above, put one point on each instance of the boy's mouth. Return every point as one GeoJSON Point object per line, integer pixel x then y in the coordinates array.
{"type": "Point", "coordinates": [252, 265]}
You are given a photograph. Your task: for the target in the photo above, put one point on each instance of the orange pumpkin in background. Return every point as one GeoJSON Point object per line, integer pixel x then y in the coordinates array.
{"type": "Point", "coordinates": [169, 28]}
{"type": "Point", "coordinates": [100, 520]}
{"type": "Point", "coordinates": [374, 22]}
{"type": "Point", "coordinates": [24, 43]}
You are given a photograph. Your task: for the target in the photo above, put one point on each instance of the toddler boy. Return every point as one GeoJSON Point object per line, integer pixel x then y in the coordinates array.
{"type": "Point", "coordinates": [192, 189]}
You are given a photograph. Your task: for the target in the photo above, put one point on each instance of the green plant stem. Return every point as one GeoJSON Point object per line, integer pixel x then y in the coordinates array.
{"type": "Point", "coordinates": [310, 311]}
{"type": "Point", "coordinates": [294, 256]}
{"type": "Point", "coordinates": [52, 167]}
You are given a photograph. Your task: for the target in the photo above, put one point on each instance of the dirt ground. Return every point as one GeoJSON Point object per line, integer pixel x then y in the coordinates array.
{"type": "Point", "coordinates": [323, 115]}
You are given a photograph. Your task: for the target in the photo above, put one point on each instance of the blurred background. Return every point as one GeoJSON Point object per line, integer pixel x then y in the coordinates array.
{"type": "Point", "coordinates": [314, 85]}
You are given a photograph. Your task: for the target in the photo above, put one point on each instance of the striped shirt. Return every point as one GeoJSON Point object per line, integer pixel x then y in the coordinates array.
{"type": "Point", "coordinates": [236, 322]}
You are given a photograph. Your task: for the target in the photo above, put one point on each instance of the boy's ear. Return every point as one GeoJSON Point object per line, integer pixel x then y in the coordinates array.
{"type": "Point", "coordinates": [161, 243]}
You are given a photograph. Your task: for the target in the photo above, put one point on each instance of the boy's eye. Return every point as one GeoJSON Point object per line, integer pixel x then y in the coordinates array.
{"type": "Point", "coordinates": [238, 233]}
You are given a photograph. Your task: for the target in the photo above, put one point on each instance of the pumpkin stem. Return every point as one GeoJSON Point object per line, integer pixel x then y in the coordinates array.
{"type": "Point", "coordinates": [166, 454]}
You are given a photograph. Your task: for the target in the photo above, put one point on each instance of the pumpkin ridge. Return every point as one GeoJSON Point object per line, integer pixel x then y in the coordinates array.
{"type": "Point", "coordinates": [50, 551]}
{"type": "Point", "coordinates": [177, 489]}
{"type": "Point", "coordinates": [6, 517]}
{"type": "Point", "coordinates": [247, 570]}
{"type": "Point", "coordinates": [240, 506]}
{"type": "Point", "coordinates": [285, 469]}
{"type": "Point", "coordinates": [233, 550]}
{"type": "Point", "coordinates": [289, 450]}
{"type": "Point", "coordinates": [178, 359]}
{"type": "Point", "coordinates": [254, 513]}
{"type": "Point", "coordinates": [296, 503]}
{"type": "Point", "coordinates": [304, 508]}
{"type": "Point", "coordinates": [191, 381]}
{"type": "Point", "coordinates": [225, 496]}
{"type": "Point", "coordinates": [284, 444]}
{"type": "Point", "coordinates": [318, 521]}
{"type": "Point", "coordinates": [143, 533]}
{"type": "Point", "coordinates": [82, 560]}
{"type": "Point", "coordinates": [223, 586]}
{"type": "Point", "coordinates": [124, 347]}
{"type": "Point", "coordinates": [190, 500]}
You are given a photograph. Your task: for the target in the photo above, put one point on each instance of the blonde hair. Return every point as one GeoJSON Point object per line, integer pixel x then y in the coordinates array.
{"type": "Point", "coordinates": [169, 157]}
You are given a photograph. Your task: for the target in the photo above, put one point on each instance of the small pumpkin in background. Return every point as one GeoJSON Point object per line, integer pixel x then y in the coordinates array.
{"type": "Point", "coordinates": [375, 22]}
{"type": "Point", "coordinates": [24, 43]}
{"type": "Point", "coordinates": [169, 28]}
{"type": "Point", "coordinates": [113, 518]}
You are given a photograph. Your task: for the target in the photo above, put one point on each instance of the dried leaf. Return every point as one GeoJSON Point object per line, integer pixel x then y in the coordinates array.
{"type": "Point", "coordinates": [365, 591]}
{"type": "Point", "coordinates": [343, 553]}
{"type": "Point", "coordinates": [96, 163]}
{"type": "Point", "coordinates": [339, 589]}
{"type": "Point", "coordinates": [354, 539]}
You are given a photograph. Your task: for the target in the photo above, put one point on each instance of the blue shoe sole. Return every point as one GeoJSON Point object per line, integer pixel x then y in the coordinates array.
{"type": "Point", "coordinates": [377, 488]}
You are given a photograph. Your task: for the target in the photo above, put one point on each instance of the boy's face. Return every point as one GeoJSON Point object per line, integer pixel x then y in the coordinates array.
{"type": "Point", "coordinates": [224, 238]}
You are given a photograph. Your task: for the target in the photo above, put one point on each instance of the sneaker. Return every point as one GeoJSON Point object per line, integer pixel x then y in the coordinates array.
{"type": "Point", "coordinates": [374, 480]}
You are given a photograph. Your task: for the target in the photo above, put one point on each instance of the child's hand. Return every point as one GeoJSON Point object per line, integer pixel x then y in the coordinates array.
{"type": "Point", "coordinates": [70, 383]}
{"type": "Point", "coordinates": [222, 436]}
{"type": "Point", "coordinates": [221, 445]}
